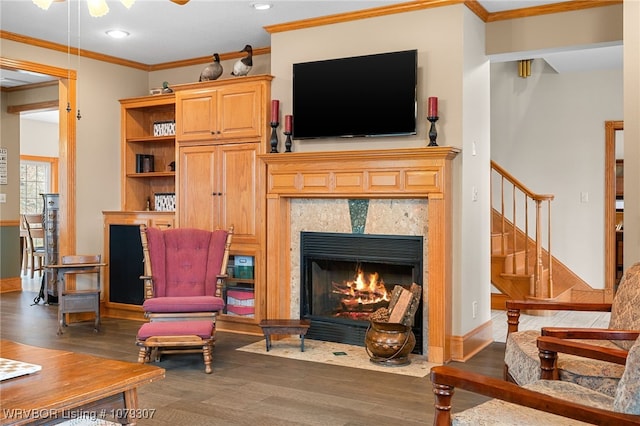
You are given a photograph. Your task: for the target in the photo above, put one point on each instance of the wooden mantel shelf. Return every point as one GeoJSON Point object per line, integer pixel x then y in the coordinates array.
{"type": "Point", "coordinates": [394, 173]}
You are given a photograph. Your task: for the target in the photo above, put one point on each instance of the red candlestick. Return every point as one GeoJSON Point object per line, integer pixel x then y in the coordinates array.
{"type": "Point", "coordinates": [275, 111]}
{"type": "Point", "coordinates": [288, 123]}
{"type": "Point", "coordinates": [433, 107]}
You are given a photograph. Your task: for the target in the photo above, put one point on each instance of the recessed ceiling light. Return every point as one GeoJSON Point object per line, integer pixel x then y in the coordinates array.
{"type": "Point", "coordinates": [117, 33]}
{"type": "Point", "coordinates": [261, 6]}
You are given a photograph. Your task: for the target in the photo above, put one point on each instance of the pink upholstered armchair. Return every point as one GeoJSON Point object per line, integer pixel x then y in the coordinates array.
{"type": "Point", "coordinates": [184, 272]}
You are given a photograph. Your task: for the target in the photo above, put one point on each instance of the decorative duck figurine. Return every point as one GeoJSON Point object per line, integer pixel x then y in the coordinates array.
{"type": "Point", "coordinates": [166, 88]}
{"type": "Point", "coordinates": [213, 70]}
{"type": "Point", "coordinates": [243, 66]}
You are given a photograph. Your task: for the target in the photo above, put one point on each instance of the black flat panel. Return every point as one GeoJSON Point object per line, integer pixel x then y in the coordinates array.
{"type": "Point", "coordinates": [125, 265]}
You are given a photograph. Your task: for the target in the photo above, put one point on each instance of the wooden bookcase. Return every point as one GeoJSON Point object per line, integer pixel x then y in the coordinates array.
{"type": "Point", "coordinates": [138, 116]}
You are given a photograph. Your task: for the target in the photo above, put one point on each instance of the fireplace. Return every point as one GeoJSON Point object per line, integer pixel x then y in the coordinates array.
{"type": "Point", "coordinates": [347, 277]}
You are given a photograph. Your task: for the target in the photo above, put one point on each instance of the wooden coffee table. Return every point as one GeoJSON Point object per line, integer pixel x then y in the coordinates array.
{"type": "Point", "coordinates": [71, 385]}
{"type": "Point", "coordinates": [284, 326]}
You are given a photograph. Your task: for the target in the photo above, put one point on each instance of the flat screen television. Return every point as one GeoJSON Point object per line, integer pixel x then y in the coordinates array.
{"type": "Point", "coordinates": [362, 96]}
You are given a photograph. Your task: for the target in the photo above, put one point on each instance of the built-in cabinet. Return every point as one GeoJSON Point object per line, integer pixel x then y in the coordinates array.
{"type": "Point", "coordinates": [227, 111]}
{"type": "Point", "coordinates": [210, 160]}
{"type": "Point", "coordinates": [221, 129]}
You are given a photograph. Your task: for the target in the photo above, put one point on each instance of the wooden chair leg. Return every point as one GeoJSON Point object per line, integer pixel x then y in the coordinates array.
{"type": "Point", "coordinates": [206, 353]}
{"type": "Point", "coordinates": [443, 395]}
{"type": "Point", "coordinates": [33, 265]}
{"type": "Point", "coordinates": [143, 354]}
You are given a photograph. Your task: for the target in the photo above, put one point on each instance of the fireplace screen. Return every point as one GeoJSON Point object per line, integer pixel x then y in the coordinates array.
{"type": "Point", "coordinates": [347, 277]}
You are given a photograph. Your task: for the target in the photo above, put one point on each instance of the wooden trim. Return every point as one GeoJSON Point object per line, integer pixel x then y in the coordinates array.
{"type": "Point", "coordinates": [71, 50]}
{"type": "Point", "coordinates": [359, 14]}
{"type": "Point", "coordinates": [29, 86]}
{"type": "Point", "coordinates": [53, 163]}
{"type": "Point", "coordinates": [396, 173]}
{"type": "Point", "coordinates": [10, 284]}
{"type": "Point", "coordinates": [67, 137]}
{"type": "Point", "coordinates": [546, 9]}
{"type": "Point", "coordinates": [37, 106]}
{"type": "Point", "coordinates": [610, 128]}
{"type": "Point", "coordinates": [207, 59]}
{"type": "Point", "coordinates": [465, 347]}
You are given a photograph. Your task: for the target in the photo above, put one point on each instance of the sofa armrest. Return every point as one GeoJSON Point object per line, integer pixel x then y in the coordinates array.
{"type": "Point", "coordinates": [446, 378]}
{"type": "Point", "coordinates": [590, 333]}
{"type": "Point", "coordinates": [514, 308]}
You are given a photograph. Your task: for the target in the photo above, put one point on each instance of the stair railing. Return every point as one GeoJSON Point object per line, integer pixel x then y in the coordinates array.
{"type": "Point", "coordinates": [512, 191]}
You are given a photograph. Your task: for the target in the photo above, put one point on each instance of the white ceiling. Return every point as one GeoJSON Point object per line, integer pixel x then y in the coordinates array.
{"type": "Point", "coordinates": [162, 31]}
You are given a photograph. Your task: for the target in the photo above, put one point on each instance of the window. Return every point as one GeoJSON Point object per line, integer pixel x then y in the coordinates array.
{"type": "Point", "coordinates": [37, 176]}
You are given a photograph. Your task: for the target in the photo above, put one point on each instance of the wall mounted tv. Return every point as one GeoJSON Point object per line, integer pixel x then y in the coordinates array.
{"type": "Point", "coordinates": [372, 95]}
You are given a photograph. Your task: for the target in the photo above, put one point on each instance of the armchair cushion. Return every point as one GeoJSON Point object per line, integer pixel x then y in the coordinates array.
{"type": "Point", "coordinates": [186, 262]}
{"type": "Point", "coordinates": [498, 412]}
{"type": "Point", "coordinates": [183, 304]}
{"type": "Point", "coordinates": [521, 352]}
{"type": "Point", "coordinates": [624, 311]}
{"type": "Point", "coordinates": [627, 398]}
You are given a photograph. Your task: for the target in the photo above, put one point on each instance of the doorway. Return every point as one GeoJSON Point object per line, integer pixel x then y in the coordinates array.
{"type": "Point", "coordinates": [613, 133]}
{"type": "Point", "coordinates": [67, 148]}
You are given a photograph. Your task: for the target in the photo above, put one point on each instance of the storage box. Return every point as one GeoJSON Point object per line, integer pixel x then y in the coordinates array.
{"type": "Point", "coordinates": [240, 297]}
{"type": "Point", "coordinates": [165, 201]}
{"type": "Point", "coordinates": [243, 267]}
{"type": "Point", "coordinates": [244, 311]}
{"type": "Point", "coordinates": [164, 128]}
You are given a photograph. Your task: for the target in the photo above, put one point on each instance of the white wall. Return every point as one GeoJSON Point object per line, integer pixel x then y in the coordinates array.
{"type": "Point", "coordinates": [473, 231]}
{"type": "Point", "coordinates": [38, 138]}
{"type": "Point", "coordinates": [548, 131]}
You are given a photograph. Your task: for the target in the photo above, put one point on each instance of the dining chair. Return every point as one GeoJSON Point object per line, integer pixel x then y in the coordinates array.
{"type": "Point", "coordinates": [35, 252]}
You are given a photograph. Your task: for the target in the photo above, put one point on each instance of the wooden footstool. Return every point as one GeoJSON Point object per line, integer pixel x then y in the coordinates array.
{"type": "Point", "coordinates": [176, 337]}
{"type": "Point", "coordinates": [282, 326]}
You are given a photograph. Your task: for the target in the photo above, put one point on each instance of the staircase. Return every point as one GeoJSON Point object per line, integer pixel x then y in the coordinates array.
{"type": "Point", "coordinates": [522, 266]}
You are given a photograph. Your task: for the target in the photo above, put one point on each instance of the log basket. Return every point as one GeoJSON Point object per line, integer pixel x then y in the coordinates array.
{"type": "Point", "coordinates": [389, 343]}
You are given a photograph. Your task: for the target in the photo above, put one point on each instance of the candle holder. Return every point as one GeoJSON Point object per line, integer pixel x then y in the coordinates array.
{"type": "Point", "coordinates": [287, 142]}
{"type": "Point", "coordinates": [274, 137]}
{"type": "Point", "coordinates": [433, 134]}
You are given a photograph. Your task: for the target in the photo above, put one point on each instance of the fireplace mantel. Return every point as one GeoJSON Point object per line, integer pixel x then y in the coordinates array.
{"type": "Point", "coordinates": [394, 173]}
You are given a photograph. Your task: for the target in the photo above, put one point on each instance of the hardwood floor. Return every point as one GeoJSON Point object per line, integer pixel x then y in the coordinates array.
{"type": "Point", "coordinates": [245, 388]}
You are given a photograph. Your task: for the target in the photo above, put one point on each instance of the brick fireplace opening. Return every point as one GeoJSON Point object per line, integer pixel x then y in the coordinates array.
{"type": "Point", "coordinates": [346, 277]}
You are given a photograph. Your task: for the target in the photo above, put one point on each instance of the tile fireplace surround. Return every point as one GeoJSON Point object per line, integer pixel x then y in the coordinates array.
{"type": "Point", "coordinates": [410, 194]}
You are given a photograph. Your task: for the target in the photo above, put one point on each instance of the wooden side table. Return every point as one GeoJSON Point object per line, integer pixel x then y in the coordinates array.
{"type": "Point", "coordinates": [284, 326]}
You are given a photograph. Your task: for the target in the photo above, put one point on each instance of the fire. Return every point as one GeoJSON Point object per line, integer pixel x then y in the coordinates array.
{"type": "Point", "coordinates": [362, 296]}
{"type": "Point", "coordinates": [369, 290]}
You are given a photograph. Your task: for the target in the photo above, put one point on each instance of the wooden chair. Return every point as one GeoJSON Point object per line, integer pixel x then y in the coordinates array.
{"type": "Point", "coordinates": [35, 253]}
{"type": "Point", "coordinates": [522, 362]}
{"type": "Point", "coordinates": [78, 300]}
{"type": "Point", "coordinates": [543, 402]}
{"type": "Point", "coordinates": [185, 271]}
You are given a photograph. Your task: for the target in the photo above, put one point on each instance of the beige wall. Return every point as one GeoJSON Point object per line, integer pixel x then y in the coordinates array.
{"type": "Point", "coordinates": [631, 132]}
{"type": "Point", "coordinates": [557, 31]}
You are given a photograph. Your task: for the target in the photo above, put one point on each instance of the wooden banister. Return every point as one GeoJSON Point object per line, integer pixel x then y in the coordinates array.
{"type": "Point", "coordinates": [521, 198]}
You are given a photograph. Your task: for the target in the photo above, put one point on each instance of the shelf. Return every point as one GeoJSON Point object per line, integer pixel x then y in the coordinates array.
{"type": "Point", "coordinates": [152, 139]}
{"type": "Point", "coordinates": [151, 174]}
{"type": "Point", "coordinates": [240, 280]}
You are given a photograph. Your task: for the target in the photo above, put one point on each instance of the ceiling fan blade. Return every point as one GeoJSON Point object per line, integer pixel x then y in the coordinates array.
{"type": "Point", "coordinates": [180, 2]}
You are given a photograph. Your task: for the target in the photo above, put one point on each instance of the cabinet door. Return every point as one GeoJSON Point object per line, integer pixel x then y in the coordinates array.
{"type": "Point", "coordinates": [238, 185]}
{"type": "Point", "coordinates": [198, 198]}
{"type": "Point", "coordinates": [239, 111]}
{"type": "Point", "coordinates": [196, 116]}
